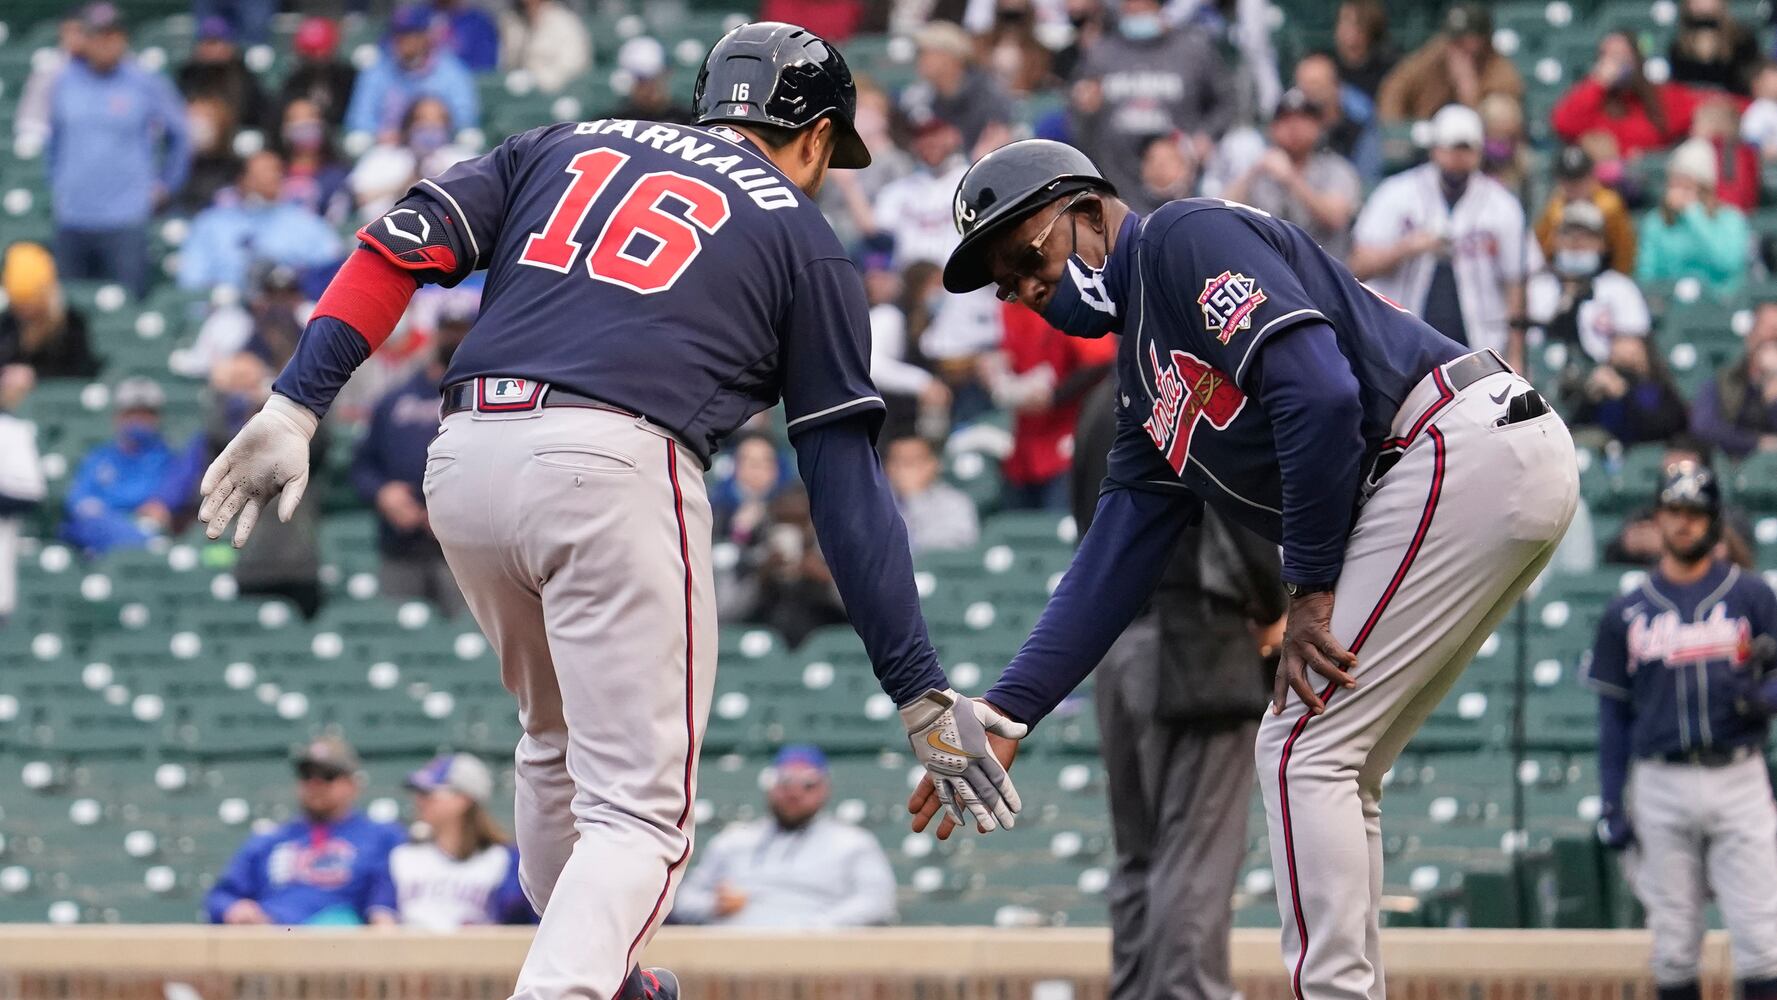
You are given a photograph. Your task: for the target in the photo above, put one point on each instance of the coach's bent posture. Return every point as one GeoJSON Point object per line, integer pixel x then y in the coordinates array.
{"type": "Point", "coordinates": [1416, 490]}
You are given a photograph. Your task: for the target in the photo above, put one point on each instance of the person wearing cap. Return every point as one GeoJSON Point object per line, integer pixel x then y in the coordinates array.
{"type": "Point", "coordinates": [914, 211]}
{"type": "Point", "coordinates": [410, 66]}
{"type": "Point", "coordinates": [797, 867]}
{"type": "Point", "coordinates": [327, 866]}
{"type": "Point", "coordinates": [1692, 234]}
{"type": "Point", "coordinates": [37, 325]}
{"type": "Point", "coordinates": [1449, 243]}
{"type": "Point", "coordinates": [952, 87]}
{"type": "Point", "coordinates": [320, 76]}
{"type": "Point", "coordinates": [1617, 97]}
{"type": "Point", "coordinates": [1683, 669]}
{"type": "Point", "coordinates": [1297, 180]}
{"type": "Point", "coordinates": [1459, 65]}
{"type": "Point", "coordinates": [117, 151]}
{"type": "Point", "coordinates": [650, 98]}
{"type": "Point", "coordinates": [254, 224]}
{"type": "Point", "coordinates": [389, 466]}
{"type": "Point", "coordinates": [113, 501]}
{"type": "Point", "coordinates": [547, 40]}
{"type": "Point", "coordinates": [464, 871]}
{"type": "Point", "coordinates": [1580, 300]}
{"type": "Point", "coordinates": [218, 71]}
{"type": "Point", "coordinates": [1737, 409]}
{"type": "Point", "coordinates": [1576, 181]}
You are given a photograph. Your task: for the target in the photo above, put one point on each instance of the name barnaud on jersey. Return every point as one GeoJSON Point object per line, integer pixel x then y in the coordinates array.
{"type": "Point", "coordinates": [768, 188]}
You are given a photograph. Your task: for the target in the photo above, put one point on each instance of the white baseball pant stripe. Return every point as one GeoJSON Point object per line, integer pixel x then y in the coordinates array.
{"type": "Point", "coordinates": [580, 538]}
{"type": "Point", "coordinates": [1445, 542]}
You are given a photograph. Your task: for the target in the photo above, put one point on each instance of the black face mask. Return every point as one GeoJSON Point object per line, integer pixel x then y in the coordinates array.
{"type": "Point", "coordinates": [1699, 22]}
{"type": "Point", "coordinates": [1454, 184]}
{"type": "Point", "coordinates": [1079, 20]}
{"type": "Point", "coordinates": [1011, 18]}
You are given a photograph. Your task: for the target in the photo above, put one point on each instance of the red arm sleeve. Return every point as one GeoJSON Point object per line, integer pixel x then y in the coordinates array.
{"type": "Point", "coordinates": [369, 294]}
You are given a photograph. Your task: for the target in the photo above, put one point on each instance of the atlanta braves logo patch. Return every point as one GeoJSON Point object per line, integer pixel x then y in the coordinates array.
{"type": "Point", "coordinates": [1228, 301]}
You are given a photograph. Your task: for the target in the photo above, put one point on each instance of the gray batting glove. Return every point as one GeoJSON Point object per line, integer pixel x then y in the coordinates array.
{"type": "Point", "coordinates": [271, 453]}
{"type": "Point", "coordinates": [949, 736]}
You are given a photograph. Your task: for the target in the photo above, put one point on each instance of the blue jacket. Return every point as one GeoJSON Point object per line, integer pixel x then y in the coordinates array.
{"type": "Point", "coordinates": [112, 480]}
{"type": "Point", "coordinates": [386, 89]}
{"type": "Point", "coordinates": [226, 239]}
{"type": "Point", "coordinates": [474, 37]}
{"type": "Point", "coordinates": [310, 873]}
{"type": "Point", "coordinates": [113, 139]}
{"type": "Point", "coordinates": [393, 449]}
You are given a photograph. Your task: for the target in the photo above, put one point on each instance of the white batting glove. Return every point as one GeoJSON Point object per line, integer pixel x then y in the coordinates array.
{"type": "Point", "coordinates": [269, 454]}
{"type": "Point", "coordinates": [949, 736]}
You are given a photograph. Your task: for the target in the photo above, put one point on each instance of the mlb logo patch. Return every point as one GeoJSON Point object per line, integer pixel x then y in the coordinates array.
{"type": "Point", "coordinates": [502, 393]}
{"type": "Point", "coordinates": [1228, 301]}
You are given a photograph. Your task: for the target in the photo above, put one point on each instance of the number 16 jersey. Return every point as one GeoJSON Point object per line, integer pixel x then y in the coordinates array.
{"type": "Point", "coordinates": [668, 270]}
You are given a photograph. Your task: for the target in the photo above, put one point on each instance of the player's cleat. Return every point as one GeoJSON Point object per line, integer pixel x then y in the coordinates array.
{"type": "Point", "coordinates": [649, 984]}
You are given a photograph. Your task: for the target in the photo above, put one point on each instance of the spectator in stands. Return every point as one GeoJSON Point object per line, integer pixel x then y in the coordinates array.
{"type": "Point", "coordinates": [1503, 155]}
{"type": "Point", "coordinates": [1146, 79]}
{"type": "Point", "coordinates": [1168, 172]}
{"type": "Point", "coordinates": [468, 32]}
{"type": "Point", "coordinates": [1758, 124]}
{"type": "Point", "coordinates": [1011, 51]}
{"type": "Point", "coordinates": [650, 96]}
{"type": "Point", "coordinates": [1087, 19]}
{"type": "Point", "coordinates": [1041, 376]}
{"type": "Point", "coordinates": [916, 211]}
{"type": "Point", "coordinates": [422, 148]}
{"type": "Point", "coordinates": [916, 400]}
{"type": "Point", "coordinates": [1631, 396]}
{"type": "Point", "coordinates": [1457, 66]}
{"type": "Point", "coordinates": [547, 40]}
{"type": "Point", "coordinates": [217, 70]}
{"type": "Point", "coordinates": [37, 326]}
{"type": "Point", "coordinates": [848, 196]}
{"type": "Point", "coordinates": [1580, 301]}
{"type": "Point", "coordinates": [319, 76]}
{"type": "Point", "coordinates": [1717, 122]}
{"type": "Point", "coordinates": [314, 174]}
{"type": "Point", "coordinates": [939, 516]}
{"type": "Point", "coordinates": [1616, 97]}
{"type": "Point", "coordinates": [464, 873]}
{"type": "Point", "coordinates": [1737, 409]}
{"type": "Point", "coordinates": [409, 67]}
{"type": "Point", "coordinates": [114, 500]}
{"type": "Point", "coordinates": [389, 468]}
{"type": "Point", "coordinates": [798, 868]}
{"type": "Point", "coordinates": [214, 165]}
{"type": "Point", "coordinates": [330, 866]}
{"type": "Point", "coordinates": [265, 323]}
{"type": "Point", "coordinates": [740, 503]}
{"type": "Point", "coordinates": [1298, 181]}
{"type": "Point", "coordinates": [1361, 46]}
{"type": "Point", "coordinates": [1466, 282]}
{"type": "Point", "coordinates": [1712, 49]}
{"type": "Point", "coordinates": [249, 19]}
{"type": "Point", "coordinates": [22, 486]}
{"type": "Point", "coordinates": [792, 590]}
{"type": "Point", "coordinates": [117, 151]}
{"type": "Point", "coordinates": [250, 224]}
{"type": "Point", "coordinates": [1347, 115]}
{"type": "Point", "coordinates": [952, 88]}
{"type": "Point", "coordinates": [1692, 234]}
{"type": "Point", "coordinates": [30, 123]}
{"type": "Point", "coordinates": [1575, 180]}
{"type": "Point", "coordinates": [1637, 543]}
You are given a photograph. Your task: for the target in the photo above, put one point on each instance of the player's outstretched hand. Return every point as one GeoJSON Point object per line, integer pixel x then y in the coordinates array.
{"type": "Point", "coordinates": [924, 804]}
{"type": "Point", "coordinates": [1614, 831]}
{"type": "Point", "coordinates": [271, 453]}
{"type": "Point", "coordinates": [1308, 644]}
{"type": "Point", "coordinates": [950, 736]}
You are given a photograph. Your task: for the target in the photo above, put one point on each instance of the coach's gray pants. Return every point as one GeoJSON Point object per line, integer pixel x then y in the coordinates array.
{"type": "Point", "coordinates": [581, 539]}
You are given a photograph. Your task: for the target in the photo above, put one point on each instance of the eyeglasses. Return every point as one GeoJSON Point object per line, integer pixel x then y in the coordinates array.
{"type": "Point", "coordinates": [318, 772]}
{"type": "Point", "coordinates": [800, 784]}
{"type": "Point", "coordinates": [1029, 260]}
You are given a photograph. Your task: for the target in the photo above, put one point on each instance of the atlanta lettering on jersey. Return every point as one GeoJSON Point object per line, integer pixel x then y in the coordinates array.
{"type": "Point", "coordinates": [1680, 644]}
{"type": "Point", "coordinates": [766, 187]}
{"type": "Point", "coordinates": [1184, 391]}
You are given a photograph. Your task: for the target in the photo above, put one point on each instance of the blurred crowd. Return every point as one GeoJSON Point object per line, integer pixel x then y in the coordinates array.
{"type": "Point", "coordinates": [1560, 257]}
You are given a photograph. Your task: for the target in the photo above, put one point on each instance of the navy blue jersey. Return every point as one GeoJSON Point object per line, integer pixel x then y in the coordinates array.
{"type": "Point", "coordinates": [669, 270]}
{"type": "Point", "coordinates": [1678, 656]}
{"type": "Point", "coordinates": [1208, 282]}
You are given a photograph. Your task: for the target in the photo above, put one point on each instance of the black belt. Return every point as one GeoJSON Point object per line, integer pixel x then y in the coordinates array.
{"type": "Point", "coordinates": [1466, 371]}
{"type": "Point", "coordinates": [463, 396]}
{"type": "Point", "coordinates": [1709, 757]}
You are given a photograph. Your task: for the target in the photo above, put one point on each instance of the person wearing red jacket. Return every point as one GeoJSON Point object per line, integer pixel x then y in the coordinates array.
{"type": "Point", "coordinates": [1617, 98]}
{"type": "Point", "coordinates": [1042, 376]}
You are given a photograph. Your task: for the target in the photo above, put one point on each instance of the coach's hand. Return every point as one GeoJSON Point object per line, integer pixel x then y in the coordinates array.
{"type": "Point", "coordinates": [949, 733]}
{"type": "Point", "coordinates": [270, 453]}
{"type": "Point", "coordinates": [1308, 644]}
{"type": "Point", "coordinates": [1614, 831]}
{"type": "Point", "coordinates": [924, 804]}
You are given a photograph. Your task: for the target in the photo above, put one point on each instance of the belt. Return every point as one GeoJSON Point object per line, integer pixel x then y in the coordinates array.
{"type": "Point", "coordinates": [1469, 369]}
{"type": "Point", "coordinates": [504, 394]}
{"type": "Point", "coordinates": [1708, 757]}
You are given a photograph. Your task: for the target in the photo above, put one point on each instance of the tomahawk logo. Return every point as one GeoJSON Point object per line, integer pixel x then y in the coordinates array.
{"type": "Point", "coordinates": [1228, 302]}
{"type": "Point", "coordinates": [1186, 390]}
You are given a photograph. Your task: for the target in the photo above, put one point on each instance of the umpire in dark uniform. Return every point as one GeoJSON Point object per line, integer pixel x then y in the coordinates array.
{"type": "Point", "coordinates": [1179, 699]}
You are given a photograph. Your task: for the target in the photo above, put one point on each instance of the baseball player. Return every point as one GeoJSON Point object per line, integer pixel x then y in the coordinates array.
{"type": "Point", "coordinates": [649, 288]}
{"type": "Point", "coordinates": [1681, 667]}
{"type": "Point", "coordinates": [1416, 488]}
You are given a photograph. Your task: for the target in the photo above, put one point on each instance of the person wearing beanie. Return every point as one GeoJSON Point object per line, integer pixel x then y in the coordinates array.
{"type": "Point", "coordinates": [1693, 234]}
{"type": "Point", "coordinates": [38, 327]}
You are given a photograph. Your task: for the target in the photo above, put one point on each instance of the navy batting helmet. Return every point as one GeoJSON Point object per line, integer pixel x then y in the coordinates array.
{"type": "Point", "coordinates": [1692, 486]}
{"type": "Point", "coordinates": [779, 74]}
{"type": "Point", "coordinates": [1004, 187]}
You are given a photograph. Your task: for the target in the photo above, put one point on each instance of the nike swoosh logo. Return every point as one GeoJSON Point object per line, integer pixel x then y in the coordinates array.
{"type": "Point", "coordinates": [1503, 393]}
{"type": "Point", "coordinates": [936, 742]}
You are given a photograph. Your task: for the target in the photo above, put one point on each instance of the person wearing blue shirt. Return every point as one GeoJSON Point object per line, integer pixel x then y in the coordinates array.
{"type": "Point", "coordinates": [330, 866]}
{"type": "Point", "coordinates": [117, 150]}
{"type": "Point", "coordinates": [1682, 668]}
{"type": "Point", "coordinates": [114, 502]}
{"type": "Point", "coordinates": [249, 225]}
{"type": "Point", "coordinates": [411, 66]}
{"type": "Point", "coordinates": [471, 33]}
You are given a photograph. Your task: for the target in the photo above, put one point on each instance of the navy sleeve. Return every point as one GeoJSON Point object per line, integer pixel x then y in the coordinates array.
{"type": "Point", "coordinates": [1605, 667]}
{"type": "Point", "coordinates": [864, 541]}
{"type": "Point", "coordinates": [474, 191]}
{"type": "Point", "coordinates": [1119, 562]}
{"type": "Point", "coordinates": [1134, 463]}
{"type": "Point", "coordinates": [1311, 395]}
{"type": "Point", "coordinates": [1615, 720]}
{"type": "Point", "coordinates": [327, 354]}
{"type": "Point", "coordinates": [1235, 282]}
{"type": "Point", "coordinates": [825, 348]}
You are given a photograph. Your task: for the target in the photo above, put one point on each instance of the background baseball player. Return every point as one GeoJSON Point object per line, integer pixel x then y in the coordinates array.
{"type": "Point", "coordinates": [649, 288]}
{"type": "Point", "coordinates": [1684, 705]}
{"type": "Point", "coordinates": [1416, 490]}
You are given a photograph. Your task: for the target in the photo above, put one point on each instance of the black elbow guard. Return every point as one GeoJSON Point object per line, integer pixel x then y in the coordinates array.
{"type": "Point", "coordinates": [420, 236]}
